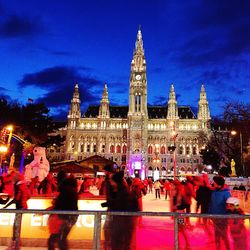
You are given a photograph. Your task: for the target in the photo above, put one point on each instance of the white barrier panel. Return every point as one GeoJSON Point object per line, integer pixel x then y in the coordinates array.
{"type": "Point", "coordinates": [36, 226]}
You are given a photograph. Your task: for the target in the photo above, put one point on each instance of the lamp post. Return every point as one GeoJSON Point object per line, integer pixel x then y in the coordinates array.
{"type": "Point", "coordinates": [156, 162]}
{"type": "Point", "coordinates": [20, 140]}
{"type": "Point", "coordinates": [174, 136]}
{"type": "Point", "coordinates": [191, 162]}
{"type": "Point", "coordinates": [10, 129]}
{"type": "Point", "coordinates": [3, 150]}
{"type": "Point", "coordinates": [233, 132]}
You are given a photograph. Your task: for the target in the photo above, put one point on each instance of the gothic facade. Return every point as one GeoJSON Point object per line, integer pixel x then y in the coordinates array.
{"type": "Point", "coordinates": [138, 137]}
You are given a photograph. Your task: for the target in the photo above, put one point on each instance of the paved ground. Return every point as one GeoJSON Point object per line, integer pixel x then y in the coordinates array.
{"type": "Point", "coordinates": [196, 235]}
{"type": "Point", "coordinates": [162, 205]}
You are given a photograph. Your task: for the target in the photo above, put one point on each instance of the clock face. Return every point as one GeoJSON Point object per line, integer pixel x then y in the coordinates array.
{"type": "Point", "coordinates": [138, 77]}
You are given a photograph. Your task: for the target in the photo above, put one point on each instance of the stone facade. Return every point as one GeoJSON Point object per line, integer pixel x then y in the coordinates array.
{"type": "Point", "coordinates": [138, 137]}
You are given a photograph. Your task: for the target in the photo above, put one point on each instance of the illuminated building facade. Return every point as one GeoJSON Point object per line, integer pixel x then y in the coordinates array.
{"type": "Point", "coordinates": [138, 137]}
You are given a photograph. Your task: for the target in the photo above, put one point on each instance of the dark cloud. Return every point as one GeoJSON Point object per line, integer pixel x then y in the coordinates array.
{"type": "Point", "coordinates": [59, 82]}
{"type": "Point", "coordinates": [118, 87]}
{"type": "Point", "coordinates": [63, 96]}
{"type": "Point", "coordinates": [6, 97]}
{"type": "Point", "coordinates": [3, 89]}
{"type": "Point", "coordinates": [17, 26]}
{"type": "Point", "coordinates": [60, 53]}
{"type": "Point", "coordinates": [219, 13]}
{"type": "Point", "coordinates": [60, 113]}
{"type": "Point", "coordinates": [58, 76]}
{"type": "Point", "coordinates": [159, 101]}
{"type": "Point", "coordinates": [57, 52]}
{"type": "Point", "coordinates": [218, 32]}
{"type": "Point", "coordinates": [214, 75]}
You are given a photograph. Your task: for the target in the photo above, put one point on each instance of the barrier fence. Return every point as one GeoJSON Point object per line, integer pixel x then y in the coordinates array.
{"type": "Point", "coordinates": [152, 230]}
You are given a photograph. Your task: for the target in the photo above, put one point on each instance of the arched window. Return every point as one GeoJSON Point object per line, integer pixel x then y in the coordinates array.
{"type": "Point", "coordinates": [182, 169]}
{"type": "Point", "coordinates": [112, 149]}
{"type": "Point", "coordinates": [187, 150]}
{"type": "Point", "coordinates": [118, 149]}
{"type": "Point", "coordinates": [138, 102]}
{"type": "Point", "coordinates": [194, 150]}
{"type": "Point", "coordinates": [181, 150]}
{"type": "Point", "coordinates": [81, 148]}
{"type": "Point", "coordinates": [150, 150]}
{"type": "Point", "coordinates": [163, 150]}
{"type": "Point", "coordinates": [124, 149]}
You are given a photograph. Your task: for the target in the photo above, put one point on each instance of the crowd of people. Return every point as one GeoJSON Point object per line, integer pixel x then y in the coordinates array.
{"type": "Point", "coordinates": [211, 197]}
{"type": "Point", "coordinates": [126, 195]}
{"type": "Point", "coordinates": [15, 190]}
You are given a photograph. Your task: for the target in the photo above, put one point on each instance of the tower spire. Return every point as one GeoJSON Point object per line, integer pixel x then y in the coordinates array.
{"type": "Point", "coordinates": [138, 79]}
{"type": "Point", "coordinates": [104, 106]}
{"type": "Point", "coordinates": [172, 104]}
{"type": "Point", "coordinates": [105, 97]}
{"type": "Point", "coordinates": [139, 43]}
{"type": "Point", "coordinates": [75, 110]}
{"type": "Point", "coordinates": [138, 63]}
{"type": "Point", "coordinates": [203, 108]}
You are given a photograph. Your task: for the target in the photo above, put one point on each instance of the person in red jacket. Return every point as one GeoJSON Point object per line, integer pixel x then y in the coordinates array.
{"type": "Point", "coordinates": [167, 187]}
{"type": "Point", "coordinates": [21, 196]}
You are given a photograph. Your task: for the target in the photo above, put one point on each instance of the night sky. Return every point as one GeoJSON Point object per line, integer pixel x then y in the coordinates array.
{"type": "Point", "coordinates": [46, 46]}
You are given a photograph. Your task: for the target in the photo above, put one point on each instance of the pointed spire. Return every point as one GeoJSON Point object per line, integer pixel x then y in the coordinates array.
{"type": "Point", "coordinates": [172, 104]}
{"type": "Point", "coordinates": [76, 92]}
{"type": "Point", "coordinates": [172, 93]}
{"type": "Point", "coordinates": [139, 43]}
{"type": "Point", "coordinates": [203, 108]}
{"type": "Point", "coordinates": [203, 95]}
{"type": "Point", "coordinates": [75, 110]}
{"type": "Point", "coordinates": [105, 94]}
{"type": "Point", "coordinates": [104, 105]}
{"type": "Point", "coordinates": [202, 88]}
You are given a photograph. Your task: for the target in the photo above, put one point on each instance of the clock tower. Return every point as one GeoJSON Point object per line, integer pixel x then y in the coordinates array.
{"type": "Point", "coordinates": [137, 113]}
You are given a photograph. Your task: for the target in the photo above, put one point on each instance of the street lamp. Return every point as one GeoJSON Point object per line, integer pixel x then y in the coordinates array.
{"type": "Point", "coordinates": [10, 129]}
{"type": "Point", "coordinates": [233, 132]}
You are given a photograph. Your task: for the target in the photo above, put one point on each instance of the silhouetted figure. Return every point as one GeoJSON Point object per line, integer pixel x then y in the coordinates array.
{"type": "Point", "coordinates": [236, 227]}
{"type": "Point", "coordinates": [66, 200]}
{"type": "Point", "coordinates": [157, 187]}
{"type": "Point", "coordinates": [34, 184]}
{"type": "Point", "coordinates": [121, 228]}
{"type": "Point", "coordinates": [107, 190]}
{"type": "Point", "coordinates": [21, 196]}
{"type": "Point", "coordinates": [4, 198]}
{"type": "Point", "coordinates": [217, 205]}
{"type": "Point", "coordinates": [48, 185]}
{"type": "Point", "coordinates": [242, 187]}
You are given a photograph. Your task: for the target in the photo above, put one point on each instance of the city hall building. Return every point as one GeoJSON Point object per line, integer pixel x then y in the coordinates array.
{"type": "Point", "coordinates": [138, 137]}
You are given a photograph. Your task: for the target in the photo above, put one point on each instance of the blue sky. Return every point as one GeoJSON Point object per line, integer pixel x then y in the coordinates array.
{"type": "Point", "coordinates": [47, 46]}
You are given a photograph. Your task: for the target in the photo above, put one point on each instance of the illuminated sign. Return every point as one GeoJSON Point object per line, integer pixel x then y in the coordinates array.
{"type": "Point", "coordinates": [36, 226]}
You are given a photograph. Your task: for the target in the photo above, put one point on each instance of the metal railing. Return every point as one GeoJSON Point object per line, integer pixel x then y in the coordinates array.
{"type": "Point", "coordinates": [178, 217]}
